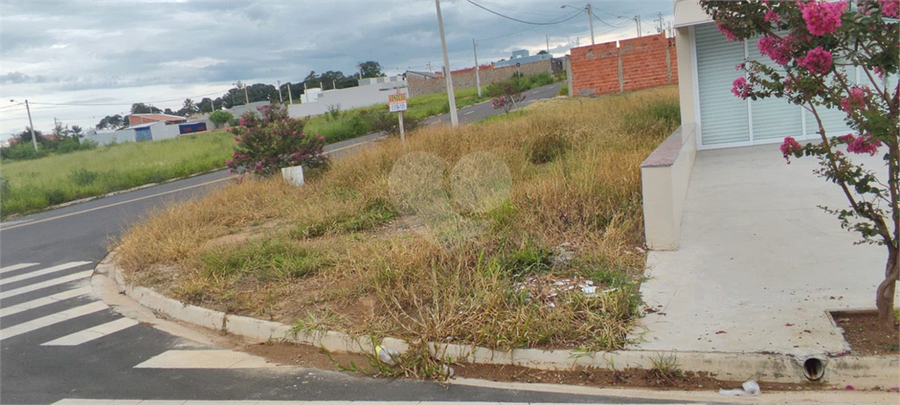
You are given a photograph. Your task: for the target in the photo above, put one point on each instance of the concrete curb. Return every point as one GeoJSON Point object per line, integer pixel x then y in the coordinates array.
{"type": "Point", "coordinates": [860, 372]}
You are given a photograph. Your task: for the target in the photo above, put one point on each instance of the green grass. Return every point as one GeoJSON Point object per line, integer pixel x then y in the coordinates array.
{"type": "Point", "coordinates": [33, 185]}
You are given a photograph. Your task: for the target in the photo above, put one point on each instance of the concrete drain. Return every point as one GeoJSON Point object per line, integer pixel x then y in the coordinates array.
{"type": "Point", "coordinates": [813, 368]}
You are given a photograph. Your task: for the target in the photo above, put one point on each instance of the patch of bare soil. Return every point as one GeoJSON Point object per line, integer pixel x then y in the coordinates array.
{"type": "Point", "coordinates": [865, 335]}
{"type": "Point", "coordinates": [309, 356]}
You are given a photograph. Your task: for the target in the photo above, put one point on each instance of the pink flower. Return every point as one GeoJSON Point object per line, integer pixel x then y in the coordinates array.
{"type": "Point", "coordinates": [818, 60]}
{"type": "Point", "coordinates": [789, 147]}
{"type": "Point", "coordinates": [321, 139]}
{"type": "Point", "coordinates": [740, 88]}
{"type": "Point", "coordinates": [778, 50]}
{"type": "Point", "coordinates": [726, 31]}
{"type": "Point", "coordinates": [772, 16]}
{"type": "Point", "coordinates": [861, 144]}
{"type": "Point", "coordinates": [228, 162]}
{"type": "Point", "coordinates": [822, 17]}
{"type": "Point", "coordinates": [878, 72]}
{"type": "Point", "coordinates": [856, 100]}
{"type": "Point", "coordinates": [258, 165]}
{"type": "Point", "coordinates": [890, 8]}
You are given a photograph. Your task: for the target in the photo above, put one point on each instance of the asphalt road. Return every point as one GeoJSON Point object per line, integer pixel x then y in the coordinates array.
{"type": "Point", "coordinates": [486, 109]}
{"type": "Point", "coordinates": [58, 341]}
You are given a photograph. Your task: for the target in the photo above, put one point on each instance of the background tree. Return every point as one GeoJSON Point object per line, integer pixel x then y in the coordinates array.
{"type": "Point", "coordinates": [370, 69]}
{"type": "Point", "coordinates": [77, 131]}
{"type": "Point", "coordinates": [112, 122]}
{"type": "Point", "coordinates": [207, 105]}
{"type": "Point", "coordinates": [141, 108]}
{"type": "Point", "coordinates": [219, 117]}
{"type": "Point", "coordinates": [188, 108]}
{"type": "Point", "coordinates": [817, 46]}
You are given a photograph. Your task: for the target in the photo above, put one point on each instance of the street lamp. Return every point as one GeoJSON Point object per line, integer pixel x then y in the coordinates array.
{"type": "Point", "coordinates": [30, 124]}
{"type": "Point", "coordinates": [590, 18]}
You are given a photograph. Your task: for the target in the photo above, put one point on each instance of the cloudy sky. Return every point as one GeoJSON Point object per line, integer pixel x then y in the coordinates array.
{"type": "Point", "coordinates": [79, 61]}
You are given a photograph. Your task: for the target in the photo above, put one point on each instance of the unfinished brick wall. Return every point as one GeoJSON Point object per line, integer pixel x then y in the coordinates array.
{"type": "Point", "coordinates": [465, 78]}
{"type": "Point", "coordinates": [628, 65]}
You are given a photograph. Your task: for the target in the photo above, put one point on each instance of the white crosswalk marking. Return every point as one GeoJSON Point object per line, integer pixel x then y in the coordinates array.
{"type": "Point", "coordinates": [16, 267]}
{"type": "Point", "coordinates": [38, 273]}
{"type": "Point", "coordinates": [90, 334]}
{"type": "Point", "coordinates": [48, 320]}
{"type": "Point", "coordinates": [206, 359]}
{"type": "Point", "coordinates": [48, 283]}
{"type": "Point", "coordinates": [37, 303]}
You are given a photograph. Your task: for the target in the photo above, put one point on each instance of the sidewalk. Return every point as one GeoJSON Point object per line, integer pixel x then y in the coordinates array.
{"type": "Point", "coordinates": [759, 264]}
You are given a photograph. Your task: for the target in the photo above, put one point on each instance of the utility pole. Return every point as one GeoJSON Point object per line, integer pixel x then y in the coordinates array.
{"type": "Point", "coordinates": [661, 27]}
{"type": "Point", "coordinates": [454, 119]}
{"type": "Point", "coordinates": [280, 98]}
{"type": "Point", "coordinates": [290, 97]}
{"type": "Point", "coordinates": [637, 20]}
{"type": "Point", "coordinates": [31, 126]}
{"type": "Point", "coordinates": [246, 97]}
{"type": "Point", "coordinates": [591, 21]}
{"type": "Point", "coordinates": [547, 37]}
{"type": "Point", "coordinates": [477, 68]}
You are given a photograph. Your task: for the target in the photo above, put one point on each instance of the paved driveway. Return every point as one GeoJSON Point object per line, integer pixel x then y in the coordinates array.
{"type": "Point", "coordinates": [759, 264]}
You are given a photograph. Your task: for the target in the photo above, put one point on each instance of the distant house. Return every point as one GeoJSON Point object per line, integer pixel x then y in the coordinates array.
{"type": "Point", "coordinates": [521, 57]}
{"type": "Point", "coordinates": [137, 119]}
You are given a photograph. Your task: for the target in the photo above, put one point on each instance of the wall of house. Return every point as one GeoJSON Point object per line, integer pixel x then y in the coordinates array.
{"type": "Point", "coordinates": [465, 78]}
{"type": "Point", "coordinates": [685, 77]}
{"type": "Point", "coordinates": [627, 65]}
{"type": "Point", "coordinates": [162, 131]}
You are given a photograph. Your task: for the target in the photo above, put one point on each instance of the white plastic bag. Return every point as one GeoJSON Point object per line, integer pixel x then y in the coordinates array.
{"type": "Point", "coordinates": [750, 388]}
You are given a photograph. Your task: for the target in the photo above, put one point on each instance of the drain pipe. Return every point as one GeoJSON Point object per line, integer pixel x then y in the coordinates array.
{"type": "Point", "coordinates": [812, 367]}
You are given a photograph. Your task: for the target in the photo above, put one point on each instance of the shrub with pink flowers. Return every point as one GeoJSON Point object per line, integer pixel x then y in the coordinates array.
{"type": "Point", "coordinates": [821, 48]}
{"type": "Point", "coordinates": [269, 140]}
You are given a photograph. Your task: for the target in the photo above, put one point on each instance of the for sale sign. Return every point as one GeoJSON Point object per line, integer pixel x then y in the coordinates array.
{"type": "Point", "coordinates": [397, 102]}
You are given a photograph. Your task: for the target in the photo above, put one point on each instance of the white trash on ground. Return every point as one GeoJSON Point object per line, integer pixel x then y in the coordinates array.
{"type": "Point", "coordinates": [387, 355]}
{"type": "Point", "coordinates": [750, 388]}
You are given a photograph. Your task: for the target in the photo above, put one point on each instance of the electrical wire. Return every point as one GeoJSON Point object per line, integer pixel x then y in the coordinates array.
{"type": "Point", "coordinates": [608, 24]}
{"type": "Point", "coordinates": [523, 21]}
{"type": "Point", "coordinates": [123, 103]}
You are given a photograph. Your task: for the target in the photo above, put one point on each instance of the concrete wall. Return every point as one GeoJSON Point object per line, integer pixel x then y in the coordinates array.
{"type": "Point", "coordinates": [352, 97]}
{"type": "Point", "coordinates": [106, 138]}
{"type": "Point", "coordinates": [683, 42]}
{"type": "Point", "coordinates": [239, 110]}
{"type": "Point", "coordinates": [628, 65]}
{"type": "Point", "coordinates": [665, 176]}
{"type": "Point", "coordinates": [162, 131]}
{"type": "Point", "coordinates": [465, 78]}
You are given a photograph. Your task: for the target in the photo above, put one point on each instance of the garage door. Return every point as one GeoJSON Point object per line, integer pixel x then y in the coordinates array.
{"type": "Point", "coordinates": [726, 120]}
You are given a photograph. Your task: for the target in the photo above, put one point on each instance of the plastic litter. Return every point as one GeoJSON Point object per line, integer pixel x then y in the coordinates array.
{"type": "Point", "coordinates": [446, 370]}
{"type": "Point", "coordinates": [387, 355]}
{"type": "Point", "coordinates": [751, 388]}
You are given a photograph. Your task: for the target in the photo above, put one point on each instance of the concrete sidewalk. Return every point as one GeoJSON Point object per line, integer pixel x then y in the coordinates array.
{"type": "Point", "coordinates": [759, 264]}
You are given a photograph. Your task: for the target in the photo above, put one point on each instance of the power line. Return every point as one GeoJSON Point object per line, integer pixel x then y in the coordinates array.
{"type": "Point", "coordinates": [523, 21]}
{"type": "Point", "coordinates": [608, 24]}
{"type": "Point", "coordinates": [123, 103]}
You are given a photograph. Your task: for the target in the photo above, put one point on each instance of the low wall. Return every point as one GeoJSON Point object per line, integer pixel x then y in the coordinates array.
{"type": "Point", "coordinates": [352, 97]}
{"type": "Point", "coordinates": [626, 65]}
{"type": "Point", "coordinates": [665, 176]}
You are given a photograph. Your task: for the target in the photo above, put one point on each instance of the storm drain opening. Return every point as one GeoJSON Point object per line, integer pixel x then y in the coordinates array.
{"type": "Point", "coordinates": [813, 368]}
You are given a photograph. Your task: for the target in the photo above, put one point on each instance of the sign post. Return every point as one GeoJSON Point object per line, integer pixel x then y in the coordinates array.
{"type": "Point", "coordinates": [397, 103]}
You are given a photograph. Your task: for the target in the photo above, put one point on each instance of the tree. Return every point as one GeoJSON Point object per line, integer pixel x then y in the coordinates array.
{"type": "Point", "coordinates": [507, 93]}
{"type": "Point", "coordinates": [370, 69]}
{"type": "Point", "coordinates": [814, 44]}
{"type": "Point", "coordinates": [141, 108]}
{"type": "Point", "coordinates": [188, 108]}
{"type": "Point", "coordinates": [206, 105]}
{"type": "Point", "coordinates": [77, 131]}
{"type": "Point", "coordinates": [219, 117]}
{"type": "Point", "coordinates": [272, 140]}
{"type": "Point", "coordinates": [112, 122]}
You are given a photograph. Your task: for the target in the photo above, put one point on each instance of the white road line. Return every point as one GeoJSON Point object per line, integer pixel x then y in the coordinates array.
{"type": "Point", "coordinates": [205, 359]}
{"type": "Point", "coordinates": [37, 303]}
{"type": "Point", "coordinates": [96, 332]}
{"type": "Point", "coordinates": [16, 267]}
{"type": "Point", "coordinates": [468, 112]}
{"type": "Point", "coordinates": [52, 319]}
{"type": "Point", "coordinates": [38, 273]}
{"type": "Point", "coordinates": [81, 401]}
{"type": "Point", "coordinates": [48, 283]}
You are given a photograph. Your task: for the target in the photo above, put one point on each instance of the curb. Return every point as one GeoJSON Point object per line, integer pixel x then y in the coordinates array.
{"type": "Point", "coordinates": [858, 371]}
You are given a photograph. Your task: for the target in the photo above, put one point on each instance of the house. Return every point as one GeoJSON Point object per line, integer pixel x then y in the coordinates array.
{"type": "Point", "coordinates": [521, 57]}
{"type": "Point", "coordinates": [712, 117]}
{"type": "Point", "coordinates": [137, 119]}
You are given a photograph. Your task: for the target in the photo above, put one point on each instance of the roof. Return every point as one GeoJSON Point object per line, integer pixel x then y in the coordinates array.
{"type": "Point", "coordinates": [158, 117]}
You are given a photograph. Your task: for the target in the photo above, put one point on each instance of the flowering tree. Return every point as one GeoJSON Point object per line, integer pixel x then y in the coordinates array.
{"type": "Point", "coordinates": [507, 93]}
{"type": "Point", "coordinates": [270, 140]}
{"type": "Point", "coordinates": [818, 46]}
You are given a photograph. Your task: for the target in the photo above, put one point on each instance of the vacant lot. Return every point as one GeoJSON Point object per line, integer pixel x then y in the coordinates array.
{"type": "Point", "coordinates": [32, 185]}
{"type": "Point", "coordinates": [525, 231]}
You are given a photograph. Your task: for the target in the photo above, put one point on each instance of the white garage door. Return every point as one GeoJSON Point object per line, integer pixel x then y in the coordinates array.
{"type": "Point", "coordinates": [726, 120]}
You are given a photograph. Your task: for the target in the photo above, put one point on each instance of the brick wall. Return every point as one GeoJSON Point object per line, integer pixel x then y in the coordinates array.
{"type": "Point", "coordinates": [465, 78]}
{"type": "Point", "coordinates": [631, 64]}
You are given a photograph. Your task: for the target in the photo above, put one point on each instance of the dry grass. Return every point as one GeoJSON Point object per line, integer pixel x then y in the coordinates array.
{"type": "Point", "coordinates": [340, 253]}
